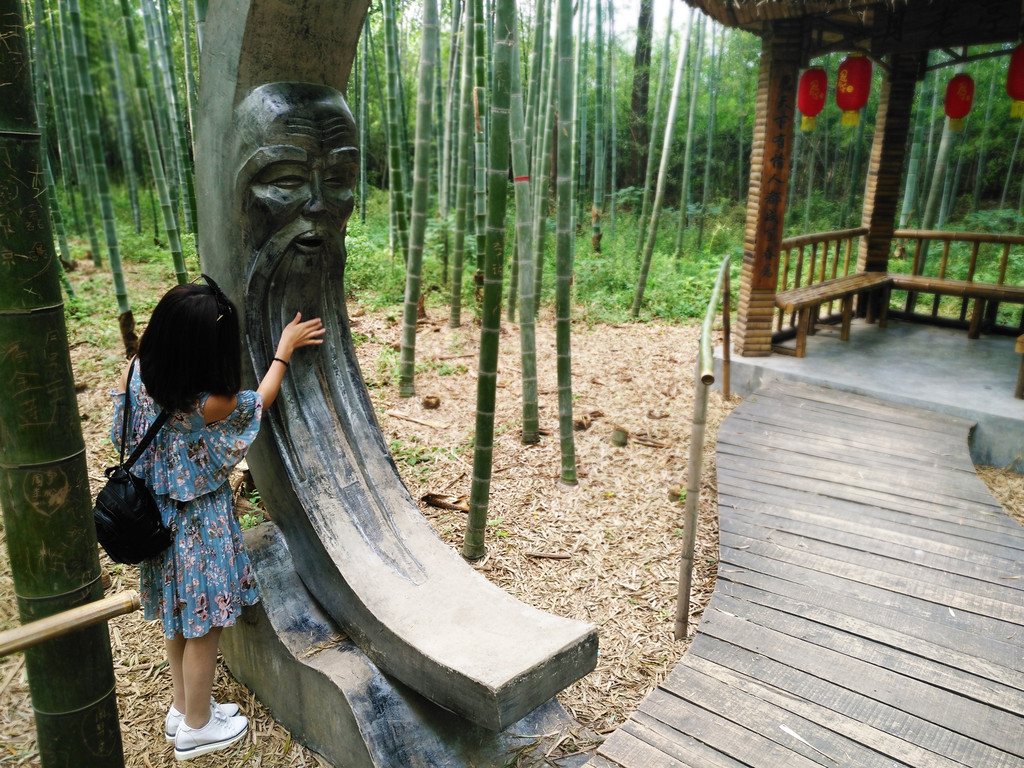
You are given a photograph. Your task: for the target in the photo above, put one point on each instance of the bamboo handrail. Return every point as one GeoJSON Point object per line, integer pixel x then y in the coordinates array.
{"type": "Point", "coordinates": [975, 239]}
{"type": "Point", "coordinates": [36, 632]}
{"type": "Point", "coordinates": [704, 379]}
{"type": "Point", "coordinates": [967, 237]}
{"type": "Point", "coordinates": [822, 237]}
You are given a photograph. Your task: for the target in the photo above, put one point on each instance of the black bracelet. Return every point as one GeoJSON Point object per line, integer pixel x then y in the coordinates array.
{"type": "Point", "coordinates": [278, 359]}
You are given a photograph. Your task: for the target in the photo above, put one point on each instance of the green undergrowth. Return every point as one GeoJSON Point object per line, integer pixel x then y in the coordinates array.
{"type": "Point", "coordinates": [604, 283]}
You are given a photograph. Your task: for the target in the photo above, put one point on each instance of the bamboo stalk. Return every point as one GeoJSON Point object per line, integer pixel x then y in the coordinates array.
{"type": "Point", "coordinates": [60, 624]}
{"type": "Point", "coordinates": [599, 143]}
{"type": "Point", "coordinates": [705, 378]}
{"type": "Point", "coordinates": [565, 243]}
{"type": "Point", "coordinates": [524, 256]}
{"type": "Point", "coordinates": [700, 409]}
{"type": "Point", "coordinates": [482, 128]}
{"type": "Point", "coordinates": [652, 227]}
{"type": "Point", "coordinates": [400, 224]}
{"type": "Point", "coordinates": [38, 84]}
{"type": "Point", "coordinates": [420, 190]}
{"type": "Point", "coordinates": [473, 547]}
{"type": "Point", "coordinates": [92, 127]}
{"type": "Point", "coordinates": [462, 181]}
{"type": "Point", "coordinates": [84, 166]}
{"type": "Point", "coordinates": [645, 204]}
{"type": "Point", "coordinates": [542, 166]}
{"type": "Point", "coordinates": [156, 162]}
{"type": "Point", "coordinates": [71, 681]}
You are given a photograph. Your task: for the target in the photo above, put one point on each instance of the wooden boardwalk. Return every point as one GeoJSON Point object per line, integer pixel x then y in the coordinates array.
{"type": "Point", "coordinates": [869, 608]}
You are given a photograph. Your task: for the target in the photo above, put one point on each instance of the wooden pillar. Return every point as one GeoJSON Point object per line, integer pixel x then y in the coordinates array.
{"type": "Point", "coordinates": [882, 188]}
{"type": "Point", "coordinates": [781, 57]}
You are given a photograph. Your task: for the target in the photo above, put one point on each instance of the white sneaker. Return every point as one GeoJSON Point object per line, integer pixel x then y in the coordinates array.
{"type": "Point", "coordinates": [175, 718]}
{"type": "Point", "coordinates": [219, 733]}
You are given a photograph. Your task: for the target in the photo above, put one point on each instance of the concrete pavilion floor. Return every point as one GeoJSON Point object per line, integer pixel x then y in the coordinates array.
{"type": "Point", "coordinates": [920, 365]}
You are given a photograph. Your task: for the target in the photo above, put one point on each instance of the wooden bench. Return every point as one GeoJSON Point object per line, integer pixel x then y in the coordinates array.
{"type": "Point", "coordinates": [1019, 392]}
{"type": "Point", "coordinates": [807, 300]}
{"type": "Point", "coordinates": [981, 293]}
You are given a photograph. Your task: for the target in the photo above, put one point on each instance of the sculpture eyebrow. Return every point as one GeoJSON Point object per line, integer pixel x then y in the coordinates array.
{"type": "Point", "coordinates": [328, 130]}
{"type": "Point", "coordinates": [301, 125]}
{"type": "Point", "coordinates": [336, 127]}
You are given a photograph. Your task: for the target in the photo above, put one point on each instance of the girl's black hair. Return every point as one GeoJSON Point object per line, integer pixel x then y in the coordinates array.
{"type": "Point", "coordinates": [191, 346]}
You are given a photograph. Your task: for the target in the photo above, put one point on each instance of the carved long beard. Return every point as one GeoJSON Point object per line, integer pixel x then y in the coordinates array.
{"type": "Point", "coordinates": [323, 400]}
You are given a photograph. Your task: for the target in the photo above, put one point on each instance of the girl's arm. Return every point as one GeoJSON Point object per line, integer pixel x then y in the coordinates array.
{"type": "Point", "coordinates": [295, 335]}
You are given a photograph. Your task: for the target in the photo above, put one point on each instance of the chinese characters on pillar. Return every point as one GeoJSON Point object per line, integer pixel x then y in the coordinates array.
{"type": "Point", "coordinates": [774, 180]}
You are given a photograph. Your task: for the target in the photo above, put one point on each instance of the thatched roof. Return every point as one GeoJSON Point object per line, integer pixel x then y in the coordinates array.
{"type": "Point", "coordinates": [878, 27]}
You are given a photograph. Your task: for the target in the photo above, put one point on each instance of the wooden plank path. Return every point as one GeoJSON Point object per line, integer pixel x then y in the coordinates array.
{"type": "Point", "coordinates": [869, 607]}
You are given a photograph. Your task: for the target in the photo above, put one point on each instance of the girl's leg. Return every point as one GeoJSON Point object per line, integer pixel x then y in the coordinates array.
{"type": "Point", "coordinates": [175, 648]}
{"type": "Point", "coordinates": [199, 663]}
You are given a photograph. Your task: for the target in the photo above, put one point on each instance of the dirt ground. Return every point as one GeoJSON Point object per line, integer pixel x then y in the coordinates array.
{"type": "Point", "coordinates": [605, 551]}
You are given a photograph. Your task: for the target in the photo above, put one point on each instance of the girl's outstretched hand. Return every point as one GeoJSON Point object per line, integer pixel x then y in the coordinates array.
{"type": "Point", "coordinates": [296, 334]}
{"type": "Point", "coordinates": [299, 333]}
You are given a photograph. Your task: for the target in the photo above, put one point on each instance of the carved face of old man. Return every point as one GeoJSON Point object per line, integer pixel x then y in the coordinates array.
{"type": "Point", "coordinates": [299, 160]}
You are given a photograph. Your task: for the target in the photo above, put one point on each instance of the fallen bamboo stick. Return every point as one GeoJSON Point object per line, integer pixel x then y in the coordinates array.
{"type": "Point", "coordinates": [414, 420]}
{"type": "Point", "coordinates": [550, 555]}
{"type": "Point", "coordinates": [36, 632]}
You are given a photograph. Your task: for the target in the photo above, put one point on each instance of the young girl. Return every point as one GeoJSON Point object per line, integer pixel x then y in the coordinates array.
{"type": "Point", "coordinates": [189, 364]}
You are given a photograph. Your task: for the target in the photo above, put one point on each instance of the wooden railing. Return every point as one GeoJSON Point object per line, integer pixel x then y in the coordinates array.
{"type": "Point", "coordinates": [962, 258]}
{"type": "Point", "coordinates": [978, 258]}
{"type": "Point", "coordinates": [815, 258]}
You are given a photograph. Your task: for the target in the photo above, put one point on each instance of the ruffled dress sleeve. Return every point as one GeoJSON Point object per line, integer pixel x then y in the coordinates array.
{"type": "Point", "coordinates": [188, 458]}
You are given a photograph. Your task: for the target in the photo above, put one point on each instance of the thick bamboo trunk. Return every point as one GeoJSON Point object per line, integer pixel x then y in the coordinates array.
{"type": "Point", "coordinates": [490, 322]}
{"type": "Point", "coordinates": [44, 480]}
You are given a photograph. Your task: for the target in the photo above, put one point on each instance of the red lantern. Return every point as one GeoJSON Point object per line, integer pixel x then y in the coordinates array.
{"type": "Point", "coordinates": [959, 98]}
{"type": "Point", "coordinates": [811, 96]}
{"type": "Point", "coordinates": [1015, 82]}
{"type": "Point", "coordinates": [853, 86]}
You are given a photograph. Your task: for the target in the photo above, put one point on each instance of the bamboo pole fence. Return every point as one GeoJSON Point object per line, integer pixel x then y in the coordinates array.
{"type": "Point", "coordinates": [65, 622]}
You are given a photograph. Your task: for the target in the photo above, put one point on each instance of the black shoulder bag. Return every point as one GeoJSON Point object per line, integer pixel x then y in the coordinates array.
{"type": "Point", "coordinates": [128, 521]}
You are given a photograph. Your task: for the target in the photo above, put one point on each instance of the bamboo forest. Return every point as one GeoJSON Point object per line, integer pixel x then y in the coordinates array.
{"type": "Point", "coordinates": [627, 217]}
{"type": "Point", "coordinates": [496, 444]}
{"type": "Point", "coordinates": [650, 151]}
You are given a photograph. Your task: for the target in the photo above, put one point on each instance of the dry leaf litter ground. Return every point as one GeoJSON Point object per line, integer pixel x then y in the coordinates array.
{"type": "Point", "coordinates": [605, 551]}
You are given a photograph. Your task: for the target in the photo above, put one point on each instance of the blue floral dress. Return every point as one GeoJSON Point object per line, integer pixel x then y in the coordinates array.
{"type": "Point", "coordinates": [205, 577]}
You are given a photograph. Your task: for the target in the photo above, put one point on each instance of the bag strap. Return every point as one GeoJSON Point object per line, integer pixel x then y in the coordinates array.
{"type": "Point", "coordinates": [160, 420]}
